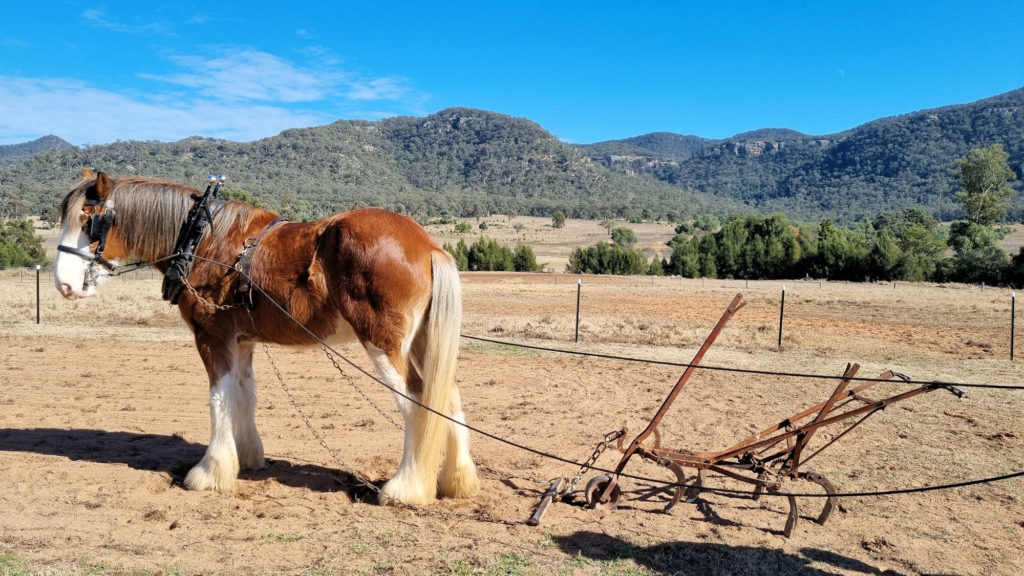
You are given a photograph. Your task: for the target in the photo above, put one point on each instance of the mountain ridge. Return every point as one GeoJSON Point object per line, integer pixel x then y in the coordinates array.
{"type": "Point", "coordinates": [469, 162]}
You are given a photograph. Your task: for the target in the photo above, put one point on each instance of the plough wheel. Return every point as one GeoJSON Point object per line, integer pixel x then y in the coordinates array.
{"type": "Point", "coordinates": [595, 489]}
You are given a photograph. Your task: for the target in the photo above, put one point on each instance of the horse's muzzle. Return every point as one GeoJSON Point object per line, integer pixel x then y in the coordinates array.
{"type": "Point", "coordinates": [70, 293]}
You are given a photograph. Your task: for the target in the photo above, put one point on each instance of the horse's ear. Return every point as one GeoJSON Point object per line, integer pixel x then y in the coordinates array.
{"type": "Point", "coordinates": [87, 173]}
{"type": "Point", "coordinates": [103, 185]}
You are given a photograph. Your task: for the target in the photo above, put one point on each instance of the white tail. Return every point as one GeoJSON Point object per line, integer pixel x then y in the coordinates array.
{"type": "Point", "coordinates": [434, 434]}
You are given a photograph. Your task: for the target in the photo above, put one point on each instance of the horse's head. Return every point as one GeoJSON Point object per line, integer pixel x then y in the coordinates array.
{"type": "Point", "coordinates": [88, 239]}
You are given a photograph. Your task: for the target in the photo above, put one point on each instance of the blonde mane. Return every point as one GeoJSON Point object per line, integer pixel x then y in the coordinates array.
{"type": "Point", "coordinates": [150, 213]}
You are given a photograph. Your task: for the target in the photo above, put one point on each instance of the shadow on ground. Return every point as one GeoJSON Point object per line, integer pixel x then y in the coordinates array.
{"type": "Point", "coordinates": [171, 454]}
{"type": "Point", "coordinates": [709, 559]}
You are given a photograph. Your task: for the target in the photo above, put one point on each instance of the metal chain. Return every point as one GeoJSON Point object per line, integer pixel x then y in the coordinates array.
{"type": "Point", "coordinates": [206, 301]}
{"type": "Point", "coordinates": [362, 479]}
{"type": "Point", "coordinates": [601, 446]}
{"type": "Point", "coordinates": [352, 383]}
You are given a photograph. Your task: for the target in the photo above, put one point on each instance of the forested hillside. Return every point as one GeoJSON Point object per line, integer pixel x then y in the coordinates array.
{"type": "Point", "coordinates": [11, 154]}
{"type": "Point", "coordinates": [885, 165]}
{"type": "Point", "coordinates": [467, 162]}
{"type": "Point", "coordinates": [458, 161]}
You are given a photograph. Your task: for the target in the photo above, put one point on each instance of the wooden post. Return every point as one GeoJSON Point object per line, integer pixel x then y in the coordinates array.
{"type": "Point", "coordinates": [782, 308]}
{"type": "Point", "coordinates": [579, 292]}
{"type": "Point", "coordinates": [1013, 315]}
{"type": "Point", "coordinates": [37, 293]}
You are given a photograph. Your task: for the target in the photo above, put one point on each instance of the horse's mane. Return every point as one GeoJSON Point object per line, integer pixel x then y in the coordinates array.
{"type": "Point", "coordinates": [151, 211]}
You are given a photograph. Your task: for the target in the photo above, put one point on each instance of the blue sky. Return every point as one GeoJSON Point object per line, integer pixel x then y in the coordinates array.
{"type": "Point", "coordinates": [104, 70]}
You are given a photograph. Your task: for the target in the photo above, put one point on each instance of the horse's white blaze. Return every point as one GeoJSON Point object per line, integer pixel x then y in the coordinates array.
{"type": "Point", "coordinates": [69, 269]}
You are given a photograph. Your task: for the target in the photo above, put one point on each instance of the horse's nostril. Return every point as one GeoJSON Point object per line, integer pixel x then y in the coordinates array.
{"type": "Point", "coordinates": [67, 291]}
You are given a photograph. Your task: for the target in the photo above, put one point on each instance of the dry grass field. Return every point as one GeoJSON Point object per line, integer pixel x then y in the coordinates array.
{"type": "Point", "coordinates": [103, 408]}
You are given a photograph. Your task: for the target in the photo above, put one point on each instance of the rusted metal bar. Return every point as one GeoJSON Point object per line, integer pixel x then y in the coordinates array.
{"type": "Point", "coordinates": [553, 490]}
{"type": "Point", "coordinates": [734, 306]}
{"type": "Point", "coordinates": [792, 463]}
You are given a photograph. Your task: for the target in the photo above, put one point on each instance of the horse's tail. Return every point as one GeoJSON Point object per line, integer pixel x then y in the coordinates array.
{"type": "Point", "coordinates": [442, 332]}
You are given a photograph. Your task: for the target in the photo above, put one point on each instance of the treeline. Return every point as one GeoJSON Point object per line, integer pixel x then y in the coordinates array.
{"type": "Point", "coordinates": [908, 245]}
{"type": "Point", "coordinates": [487, 255]}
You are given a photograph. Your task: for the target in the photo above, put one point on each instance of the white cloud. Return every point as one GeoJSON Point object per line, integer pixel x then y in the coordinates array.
{"type": "Point", "coordinates": [242, 94]}
{"type": "Point", "coordinates": [250, 75]}
{"type": "Point", "coordinates": [378, 89]}
{"type": "Point", "coordinates": [81, 113]}
{"type": "Point", "coordinates": [99, 19]}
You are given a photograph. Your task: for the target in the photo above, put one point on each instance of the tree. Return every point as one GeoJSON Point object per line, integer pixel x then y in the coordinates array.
{"type": "Point", "coordinates": [242, 196]}
{"type": "Point", "coordinates": [685, 259]}
{"type": "Point", "coordinates": [985, 177]}
{"type": "Point", "coordinates": [558, 219]}
{"type": "Point", "coordinates": [461, 254]}
{"type": "Point", "coordinates": [884, 258]}
{"type": "Point", "coordinates": [19, 244]}
{"type": "Point", "coordinates": [624, 237]}
{"type": "Point", "coordinates": [922, 249]}
{"type": "Point", "coordinates": [604, 258]}
{"type": "Point", "coordinates": [979, 256]}
{"type": "Point", "coordinates": [1015, 273]}
{"type": "Point", "coordinates": [523, 259]}
{"type": "Point", "coordinates": [488, 255]}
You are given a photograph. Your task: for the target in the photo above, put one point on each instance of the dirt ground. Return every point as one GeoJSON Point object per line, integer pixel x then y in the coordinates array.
{"type": "Point", "coordinates": [103, 408]}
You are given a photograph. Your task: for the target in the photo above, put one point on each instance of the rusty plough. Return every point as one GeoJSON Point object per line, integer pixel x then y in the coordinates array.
{"type": "Point", "coordinates": [765, 460]}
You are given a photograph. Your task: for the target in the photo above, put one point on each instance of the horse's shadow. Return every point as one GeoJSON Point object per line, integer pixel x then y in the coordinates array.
{"type": "Point", "coordinates": [710, 559]}
{"type": "Point", "coordinates": [170, 454]}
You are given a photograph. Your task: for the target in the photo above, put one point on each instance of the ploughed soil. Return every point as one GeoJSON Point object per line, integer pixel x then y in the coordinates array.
{"type": "Point", "coordinates": [104, 408]}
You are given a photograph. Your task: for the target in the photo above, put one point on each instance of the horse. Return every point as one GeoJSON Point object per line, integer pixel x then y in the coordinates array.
{"type": "Point", "coordinates": [365, 275]}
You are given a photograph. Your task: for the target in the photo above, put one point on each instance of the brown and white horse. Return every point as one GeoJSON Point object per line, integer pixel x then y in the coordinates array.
{"type": "Point", "coordinates": [367, 275]}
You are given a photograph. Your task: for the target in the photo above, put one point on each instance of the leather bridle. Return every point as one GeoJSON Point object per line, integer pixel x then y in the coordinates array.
{"type": "Point", "coordinates": [97, 226]}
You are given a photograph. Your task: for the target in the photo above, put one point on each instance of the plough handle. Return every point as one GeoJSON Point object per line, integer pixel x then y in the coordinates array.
{"type": "Point", "coordinates": [734, 306]}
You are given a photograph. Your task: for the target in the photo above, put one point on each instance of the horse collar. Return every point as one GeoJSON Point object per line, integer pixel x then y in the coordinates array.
{"type": "Point", "coordinates": [193, 229]}
{"type": "Point", "coordinates": [243, 265]}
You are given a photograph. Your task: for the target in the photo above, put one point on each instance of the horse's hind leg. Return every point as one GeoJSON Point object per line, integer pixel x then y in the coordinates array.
{"type": "Point", "coordinates": [458, 477]}
{"type": "Point", "coordinates": [415, 481]}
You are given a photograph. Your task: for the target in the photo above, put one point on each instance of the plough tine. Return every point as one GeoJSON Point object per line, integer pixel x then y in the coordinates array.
{"type": "Point", "coordinates": [794, 512]}
{"type": "Point", "coordinates": [677, 493]}
{"type": "Point", "coordinates": [830, 502]}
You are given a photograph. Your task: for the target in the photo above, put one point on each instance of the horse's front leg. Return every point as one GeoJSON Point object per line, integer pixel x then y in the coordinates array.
{"type": "Point", "coordinates": [234, 442]}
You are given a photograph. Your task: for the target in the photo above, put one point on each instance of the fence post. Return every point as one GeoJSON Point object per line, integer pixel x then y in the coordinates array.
{"type": "Point", "coordinates": [1013, 317]}
{"type": "Point", "coordinates": [37, 293]}
{"type": "Point", "coordinates": [579, 292]}
{"type": "Point", "coordinates": [782, 308]}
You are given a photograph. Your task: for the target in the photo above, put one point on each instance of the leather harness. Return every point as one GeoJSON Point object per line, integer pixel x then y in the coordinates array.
{"type": "Point", "coordinates": [244, 295]}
